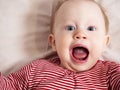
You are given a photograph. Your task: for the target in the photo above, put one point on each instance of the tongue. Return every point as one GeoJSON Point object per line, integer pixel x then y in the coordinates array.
{"type": "Point", "coordinates": [80, 53]}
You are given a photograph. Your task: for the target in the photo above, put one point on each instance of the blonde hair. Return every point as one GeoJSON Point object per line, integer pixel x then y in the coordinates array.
{"type": "Point", "coordinates": [59, 4]}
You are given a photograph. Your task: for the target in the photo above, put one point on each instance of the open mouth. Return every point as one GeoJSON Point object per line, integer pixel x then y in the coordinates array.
{"type": "Point", "coordinates": [80, 53]}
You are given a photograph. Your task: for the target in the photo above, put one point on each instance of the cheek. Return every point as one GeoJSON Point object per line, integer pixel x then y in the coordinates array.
{"type": "Point", "coordinates": [62, 38]}
{"type": "Point", "coordinates": [97, 38]}
{"type": "Point", "coordinates": [97, 42]}
{"type": "Point", "coordinates": [60, 41]}
{"type": "Point", "coordinates": [99, 48]}
{"type": "Point", "coordinates": [63, 43]}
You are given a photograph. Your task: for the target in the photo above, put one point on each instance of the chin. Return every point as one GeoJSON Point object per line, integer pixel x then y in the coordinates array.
{"type": "Point", "coordinates": [82, 67]}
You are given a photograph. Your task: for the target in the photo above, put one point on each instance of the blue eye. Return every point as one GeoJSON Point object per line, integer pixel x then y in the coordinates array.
{"type": "Point", "coordinates": [91, 28]}
{"type": "Point", "coordinates": [70, 28]}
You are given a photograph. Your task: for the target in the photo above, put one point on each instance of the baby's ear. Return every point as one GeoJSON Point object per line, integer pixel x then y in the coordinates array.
{"type": "Point", "coordinates": [51, 40]}
{"type": "Point", "coordinates": [107, 40]}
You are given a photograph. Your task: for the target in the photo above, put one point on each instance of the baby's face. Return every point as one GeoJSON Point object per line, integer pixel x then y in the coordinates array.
{"type": "Point", "coordinates": [79, 34]}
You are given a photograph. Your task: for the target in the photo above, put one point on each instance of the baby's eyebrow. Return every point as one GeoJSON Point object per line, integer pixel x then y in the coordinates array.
{"type": "Point", "coordinates": [69, 23]}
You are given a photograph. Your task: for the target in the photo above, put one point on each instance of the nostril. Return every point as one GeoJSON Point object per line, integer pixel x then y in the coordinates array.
{"type": "Point", "coordinates": [84, 37]}
{"type": "Point", "coordinates": [77, 37]}
{"type": "Point", "coordinates": [80, 37]}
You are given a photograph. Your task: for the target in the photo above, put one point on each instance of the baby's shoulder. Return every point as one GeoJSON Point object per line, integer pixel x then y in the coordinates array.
{"type": "Point", "coordinates": [110, 65]}
{"type": "Point", "coordinates": [40, 62]}
{"type": "Point", "coordinates": [43, 64]}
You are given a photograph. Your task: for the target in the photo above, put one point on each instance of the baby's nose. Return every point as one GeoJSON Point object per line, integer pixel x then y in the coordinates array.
{"type": "Point", "coordinates": [80, 35]}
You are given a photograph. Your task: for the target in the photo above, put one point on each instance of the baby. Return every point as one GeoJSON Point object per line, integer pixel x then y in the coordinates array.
{"type": "Point", "coordinates": [79, 36]}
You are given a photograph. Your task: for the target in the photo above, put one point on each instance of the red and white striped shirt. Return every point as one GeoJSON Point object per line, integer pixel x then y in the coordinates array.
{"type": "Point", "coordinates": [46, 75]}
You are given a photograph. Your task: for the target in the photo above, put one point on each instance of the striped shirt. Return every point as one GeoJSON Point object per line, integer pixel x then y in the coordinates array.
{"type": "Point", "coordinates": [45, 75]}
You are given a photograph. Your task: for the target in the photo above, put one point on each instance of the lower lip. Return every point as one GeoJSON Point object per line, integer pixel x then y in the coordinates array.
{"type": "Point", "coordinates": [77, 60]}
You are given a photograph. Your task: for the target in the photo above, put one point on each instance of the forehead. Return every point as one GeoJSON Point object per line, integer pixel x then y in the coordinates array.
{"type": "Point", "coordinates": [79, 8]}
